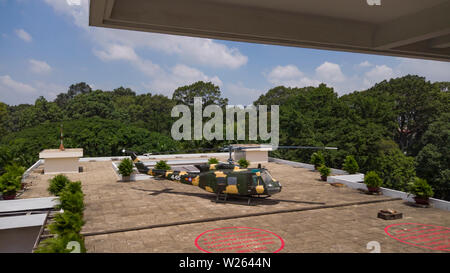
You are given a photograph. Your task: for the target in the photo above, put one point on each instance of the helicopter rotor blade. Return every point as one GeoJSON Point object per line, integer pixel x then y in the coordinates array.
{"type": "Point", "coordinates": [283, 147]}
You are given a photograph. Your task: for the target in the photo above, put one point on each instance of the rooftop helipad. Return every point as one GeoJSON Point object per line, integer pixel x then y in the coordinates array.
{"type": "Point", "coordinates": [165, 216]}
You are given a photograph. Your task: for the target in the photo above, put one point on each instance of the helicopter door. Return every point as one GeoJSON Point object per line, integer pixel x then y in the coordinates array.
{"type": "Point", "coordinates": [257, 184]}
{"type": "Point", "coordinates": [232, 185]}
{"type": "Point", "coordinates": [221, 184]}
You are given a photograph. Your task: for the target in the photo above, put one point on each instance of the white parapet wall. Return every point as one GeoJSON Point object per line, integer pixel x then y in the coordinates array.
{"type": "Point", "coordinates": [135, 176]}
{"type": "Point", "coordinates": [356, 181]}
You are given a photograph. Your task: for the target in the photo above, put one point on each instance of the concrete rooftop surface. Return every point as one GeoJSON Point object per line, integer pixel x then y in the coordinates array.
{"type": "Point", "coordinates": [309, 215]}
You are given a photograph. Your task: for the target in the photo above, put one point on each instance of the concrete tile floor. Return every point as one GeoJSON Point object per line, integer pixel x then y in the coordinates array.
{"type": "Point", "coordinates": [114, 205]}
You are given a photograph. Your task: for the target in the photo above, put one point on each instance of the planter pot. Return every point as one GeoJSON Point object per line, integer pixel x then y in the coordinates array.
{"type": "Point", "coordinates": [324, 178]}
{"type": "Point", "coordinates": [422, 200]}
{"type": "Point", "coordinates": [126, 178]}
{"type": "Point", "coordinates": [9, 196]}
{"type": "Point", "coordinates": [373, 189]}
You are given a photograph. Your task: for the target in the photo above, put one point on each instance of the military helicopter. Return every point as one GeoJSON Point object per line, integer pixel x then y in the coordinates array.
{"type": "Point", "coordinates": [224, 179]}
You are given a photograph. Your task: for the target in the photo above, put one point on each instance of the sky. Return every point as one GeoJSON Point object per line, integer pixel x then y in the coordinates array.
{"type": "Point", "coordinates": [47, 45]}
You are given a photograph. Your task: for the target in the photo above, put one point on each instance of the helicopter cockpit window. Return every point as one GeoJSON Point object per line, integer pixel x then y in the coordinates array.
{"type": "Point", "coordinates": [267, 178]}
{"type": "Point", "coordinates": [255, 180]}
{"type": "Point", "coordinates": [232, 180]}
{"type": "Point", "coordinates": [221, 180]}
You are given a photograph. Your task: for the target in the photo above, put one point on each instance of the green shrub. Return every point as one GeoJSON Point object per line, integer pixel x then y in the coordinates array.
{"type": "Point", "coordinates": [72, 198]}
{"type": "Point", "coordinates": [126, 167]}
{"type": "Point", "coordinates": [57, 184]}
{"type": "Point", "coordinates": [371, 179]}
{"type": "Point", "coordinates": [66, 223]}
{"type": "Point", "coordinates": [66, 226]}
{"type": "Point", "coordinates": [350, 165]}
{"type": "Point", "coordinates": [162, 165]}
{"type": "Point", "coordinates": [324, 170]}
{"type": "Point", "coordinates": [317, 159]}
{"type": "Point", "coordinates": [10, 181]}
{"type": "Point", "coordinates": [59, 244]}
{"type": "Point", "coordinates": [213, 160]}
{"type": "Point", "coordinates": [244, 163]}
{"type": "Point", "coordinates": [420, 188]}
{"type": "Point", "coordinates": [395, 168]}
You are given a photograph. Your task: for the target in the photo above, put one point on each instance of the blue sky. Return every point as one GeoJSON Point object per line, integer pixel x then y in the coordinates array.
{"type": "Point", "coordinates": [46, 45]}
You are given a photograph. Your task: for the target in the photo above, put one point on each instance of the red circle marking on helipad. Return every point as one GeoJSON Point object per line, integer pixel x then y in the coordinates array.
{"type": "Point", "coordinates": [424, 236]}
{"type": "Point", "coordinates": [239, 240]}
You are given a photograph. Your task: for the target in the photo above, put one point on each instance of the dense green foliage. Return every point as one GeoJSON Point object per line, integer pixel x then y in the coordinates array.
{"type": "Point", "coordinates": [350, 165]}
{"type": "Point", "coordinates": [66, 223]}
{"type": "Point", "coordinates": [126, 167]}
{"type": "Point", "coordinates": [59, 244]}
{"type": "Point", "coordinates": [433, 160]}
{"type": "Point", "coordinates": [398, 128]}
{"type": "Point", "coordinates": [10, 180]}
{"type": "Point", "coordinates": [213, 160]}
{"type": "Point", "coordinates": [66, 226]}
{"type": "Point", "coordinates": [162, 165]}
{"type": "Point", "coordinates": [57, 184]}
{"type": "Point", "coordinates": [244, 163]}
{"type": "Point", "coordinates": [71, 198]}
{"type": "Point", "coordinates": [420, 188]}
{"type": "Point", "coordinates": [371, 179]}
{"type": "Point", "coordinates": [317, 159]}
{"type": "Point", "coordinates": [324, 171]}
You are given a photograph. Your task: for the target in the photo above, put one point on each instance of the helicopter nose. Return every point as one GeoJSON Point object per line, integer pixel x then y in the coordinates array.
{"type": "Point", "coordinates": [273, 188]}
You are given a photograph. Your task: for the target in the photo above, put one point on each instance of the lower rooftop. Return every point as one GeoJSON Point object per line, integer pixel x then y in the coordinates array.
{"type": "Point", "coordinates": [309, 215]}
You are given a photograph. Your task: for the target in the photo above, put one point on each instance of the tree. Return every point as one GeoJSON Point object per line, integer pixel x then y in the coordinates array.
{"type": "Point", "coordinates": [433, 161]}
{"type": "Point", "coordinates": [209, 93]}
{"type": "Point", "coordinates": [155, 113]}
{"type": "Point", "coordinates": [4, 116]}
{"type": "Point", "coordinates": [279, 95]}
{"type": "Point", "coordinates": [75, 89]}
{"type": "Point", "coordinates": [92, 104]}
{"type": "Point", "coordinates": [121, 91]}
{"type": "Point", "coordinates": [396, 169]}
{"type": "Point", "coordinates": [416, 106]}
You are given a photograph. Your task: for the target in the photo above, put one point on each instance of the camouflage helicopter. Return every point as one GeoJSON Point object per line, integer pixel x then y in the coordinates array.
{"type": "Point", "coordinates": [224, 179]}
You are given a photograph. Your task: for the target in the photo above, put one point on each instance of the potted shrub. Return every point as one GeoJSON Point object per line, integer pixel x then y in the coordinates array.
{"type": "Point", "coordinates": [10, 181]}
{"type": "Point", "coordinates": [373, 181]}
{"type": "Point", "coordinates": [71, 198]}
{"type": "Point", "coordinates": [213, 160]}
{"type": "Point", "coordinates": [57, 184]}
{"type": "Point", "coordinates": [317, 160]}
{"type": "Point", "coordinates": [126, 169]}
{"type": "Point", "coordinates": [244, 163]}
{"type": "Point", "coordinates": [350, 165]}
{"type": "Point", "coordinates": [324, 172]}
{"type": "Point", "coordinates": [162, 165]}
{"type": "Point", "coordinates": [421, 190]}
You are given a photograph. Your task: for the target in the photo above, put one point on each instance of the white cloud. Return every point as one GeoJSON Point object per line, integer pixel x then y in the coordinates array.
{"type": "Point", "coordinates": [239, 94]}
{"type": "Point", "coordinates": [22, 34]}
{"type": "Point", "coordinates": [330, 73]}
{"type": "Point", "coordinates": [377, 74]}
{"type": "Point", "coordinates": [167, 81]}
{"type": "Point", "coordinates": [39, 67]}
{"type": "Point", "coordinates": [432, 70]}
{"type": "Point", "coordinates": [15, 92]}
{"type": "Point", "coordinates": [193, 50]}
{"type": "Point", "coordinates": [8, 85]}
{"type": "Point", "coordinates": [365, 64]}
{"type": "Point", "coordinates": [73, 2]}
{"type": "Point", "coordinates": [289, 76]}
{"type": "Point", "coordinates": [116, 52]}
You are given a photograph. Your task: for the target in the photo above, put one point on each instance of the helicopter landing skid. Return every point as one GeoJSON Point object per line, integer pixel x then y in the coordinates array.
{"type": "Point", "coordinates": [248, 198]}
